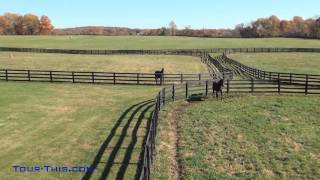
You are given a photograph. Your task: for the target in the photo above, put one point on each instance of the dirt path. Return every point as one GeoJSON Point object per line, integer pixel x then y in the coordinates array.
{"type": "Point", "coordinates": [175, 118]}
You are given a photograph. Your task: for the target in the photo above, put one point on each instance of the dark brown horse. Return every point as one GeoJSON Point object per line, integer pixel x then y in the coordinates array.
{"type": "Point", "coordinates": [217, 87]}
{"type": "Point", "coordinates": [159, 75]}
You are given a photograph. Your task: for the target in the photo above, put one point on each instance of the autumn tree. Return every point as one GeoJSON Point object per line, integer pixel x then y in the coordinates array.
{"type": "Point", "coordinates": [32, 24]}
{"type": "Point", "coordinates": [45, 25]}
{"type": "Point", "coordinates": [315, 29]}
{"type": "Point", "coordinates": [13, 20]}
{"type": "Point", "coordinates": [299, 27]}
{"type": "Point", "coordinates": [4, 25]}
{"type": "Point", "coordinates": [274, 26]}
{"type": "Point", "coordinates": [21, 26]}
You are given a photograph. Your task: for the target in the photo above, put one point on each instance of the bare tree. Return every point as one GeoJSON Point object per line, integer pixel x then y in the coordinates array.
{"type": "Point", "coordinates": [173, 28]}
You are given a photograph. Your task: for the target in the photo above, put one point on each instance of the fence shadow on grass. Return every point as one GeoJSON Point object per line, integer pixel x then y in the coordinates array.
{"type": "Point", "coordinates": [135, 112]}
{"type": "Point", "coordinates": [134, 139]}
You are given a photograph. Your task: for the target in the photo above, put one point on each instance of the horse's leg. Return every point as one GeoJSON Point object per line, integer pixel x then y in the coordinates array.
{"type": "Point", "coordinates": [221, 94]}
{"type": "Point", "coordinates": [217, 94]}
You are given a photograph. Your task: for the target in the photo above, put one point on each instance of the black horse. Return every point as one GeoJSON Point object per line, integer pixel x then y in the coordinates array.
{"type": "Point", "coordinates": [217, 87]}
{"type": "Point", "coordinates": [159, 75]}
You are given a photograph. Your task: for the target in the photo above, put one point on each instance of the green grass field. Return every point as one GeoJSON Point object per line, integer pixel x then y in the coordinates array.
{"type": "Point", "coordinates": [268, 137]}
{"type": "Point", "coordinates": [157, 42]}
{"type": "Point", "coordinates": [246, 137]}
{"type": "Point", "coordinates": [117, 63]}
{"type": "Point", "coordinates": [305, 63]}
{"type": "Point", "coordinates": [65, 125]}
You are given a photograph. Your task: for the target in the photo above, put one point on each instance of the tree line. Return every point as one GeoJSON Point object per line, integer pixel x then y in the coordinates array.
{"type": "Point", "coordinates": [274, 27]}
{"type": "Point", "coordinates": [261, 28]}
{"type": "Point", "coordinates": [29, 24]}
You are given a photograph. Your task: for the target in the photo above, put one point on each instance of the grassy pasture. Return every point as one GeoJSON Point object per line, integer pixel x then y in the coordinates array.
{"type": "Point", "coordinates": [246, 137]}
{"type": "Point", "coordinates": [157, 42]}
{"type": "Point", "coordinates": [66, 125]}
{"type": "Point", "coordinates": [117, 63]}
{"type": "Point", "coordinates": [305, 63]}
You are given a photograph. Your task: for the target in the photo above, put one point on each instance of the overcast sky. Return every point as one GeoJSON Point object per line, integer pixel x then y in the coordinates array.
{"type": "Point", "coordinates": [153, 14]}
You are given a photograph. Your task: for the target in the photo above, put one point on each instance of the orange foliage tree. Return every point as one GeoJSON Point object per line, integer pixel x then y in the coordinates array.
{"type": "Point", "coordinates": [45, 25]}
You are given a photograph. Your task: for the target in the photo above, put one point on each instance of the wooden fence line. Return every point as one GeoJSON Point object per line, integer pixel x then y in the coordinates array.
{"type": "Point", "coordinates": [97, 77]}
{"type": "Point", "coordinates": [289, 78]}
{"type": "Point", "coordinates": [242, 86]}
{"type": "Point", "coordinates": [223, 72]}
{"type": "Point", "coordinates": [191, 52]}
{"type": "Point", "coordinates": [204, 88]}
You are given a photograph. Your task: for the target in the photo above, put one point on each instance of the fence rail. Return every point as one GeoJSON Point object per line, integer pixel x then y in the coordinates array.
{"type": "Point", "coordinates": [223, 72]}
{"type": "Point", "coordinates": [289, 78]}
{"type": "Point", "coordinates": [204, 88]}
{"type": "Point", "coordinates": [183, 91]}
{"type": "Point", "coordinates": [191, 52]}
{"type": "Point", "coordinates": [97, 77]}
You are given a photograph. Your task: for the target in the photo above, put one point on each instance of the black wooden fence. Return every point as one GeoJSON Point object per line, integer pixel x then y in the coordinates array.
{"type": "Point", "coordinates": [270, 50]}
{"type": "Point", "coordinates": [183, 91]}
{"type": "Point", "coordinates": [289, 78]}
{"type": "Point", "coordinates": [97, 77]}
{"type": "Point", "coordinates": [223, 72]}
{"type": "Point", "coordinates": [204, 88]}
{"type": "Point", "coordinates": [187, 52]}
{"type": "Point", "coordinates": [149, 147]}
{"type": "Point", "coordinates": [191, 52]}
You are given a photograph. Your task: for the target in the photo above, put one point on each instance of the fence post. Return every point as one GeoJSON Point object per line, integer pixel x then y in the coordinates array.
{"type": "Point", "coordinates": [199, 77]}
{"type": "Point", "coordinates": [252, 85]}
{"type": "Point", "coordinates": [173, 92]}
{"type": "Point", "coordinates": [159, 100]}
{"type": "Point", "coordinates": [50, 76]}
{"type": "Point", "coordinates": [279, 86]}
{"type": "Point", "coordinates": [207, 88]}
{"type": "Point", "coordinates": [270, 76]}
{"type": "Point", "coordinates": [6, 72]}
{"type": "Point", "coordinates": [186, 90]}
{"type": "Point", "coordinates": [114, 78]}
{"type": "Point", "coordinates": [138, 78]}
{"type": "Point", "coordinates": [307, 83]}
{"type": "Point", "coordinates": [290, 78]}
{"type": "Point", "coordinates": [73, 77]}
{"type": "Point", "coordinates": [228, 86]}
{"type": "Point", "coordinates": [29, 76]}
{"type": "Point", "coordinates": [164, 96]}
{"type": "Point", "coordinates": [92, 77]}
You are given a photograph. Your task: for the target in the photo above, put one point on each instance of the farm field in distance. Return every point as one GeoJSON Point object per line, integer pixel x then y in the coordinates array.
{"type": "Point", "coordinates": [66, 124]}
{"type": "Point", "coordinates": [241, 137]}
{"type": "Point", "coordinates": [134, 90]}
{"type": "Point", "coordinates": [149, 42]}
{"type": "Point", "coordinates": [112, 63]}
{"type": "Point", "coordinates": [304, 63]}
{"type": "Point", "coordinates": [244, 137]}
